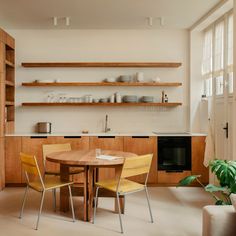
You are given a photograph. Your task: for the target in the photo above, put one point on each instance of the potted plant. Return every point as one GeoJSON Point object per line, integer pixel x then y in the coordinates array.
{"type": "Point", "coordinates": [225, 172]}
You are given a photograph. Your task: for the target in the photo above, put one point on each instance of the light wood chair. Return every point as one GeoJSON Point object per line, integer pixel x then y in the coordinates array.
{"type": "Point", "coordinates": [132, 166]}
{"type": "Point", "coordinates": [39, 184]}
{"type": "Point", "coordinates": [50, 148]}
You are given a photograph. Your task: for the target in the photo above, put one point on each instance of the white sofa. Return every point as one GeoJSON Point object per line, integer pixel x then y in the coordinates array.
{"type": "Point", "coordinates": [219, 221]}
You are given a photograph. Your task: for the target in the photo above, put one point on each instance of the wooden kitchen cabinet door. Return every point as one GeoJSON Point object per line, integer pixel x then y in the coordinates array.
{"type": "Point", "coordinates": [2, 106]}
{"type": "Point", "coordinates": [141, 146]}
{"type": "Point", "coordinates": [33, 146]}
{"type": "Point", "coordinates": [77, 143]}
{"type": "Point", "coordinates": [2, 164]}
{"type": "Point", "coordinates": [198, 149]}
{"type": "Point", "coordinates": [107, 143]}
{"type": "Point", "coordinates": [13, 170]}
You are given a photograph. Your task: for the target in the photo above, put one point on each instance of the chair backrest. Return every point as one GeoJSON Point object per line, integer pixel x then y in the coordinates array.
{"type": "Point", "coordinates": [31, 168]}
{"type": "Point", "coordinates": [50, 148]}
{"type": "Point", "coordinates": [136, 166]}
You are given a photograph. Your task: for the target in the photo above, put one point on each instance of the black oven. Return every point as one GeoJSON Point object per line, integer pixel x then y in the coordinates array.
{"type": "Point", "coordinates": [174, 153]}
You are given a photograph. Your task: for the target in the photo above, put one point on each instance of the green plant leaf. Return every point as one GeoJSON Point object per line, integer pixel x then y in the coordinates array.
{"type": "Point", "coordinates": [225, 171]}
{"type": "Point", "coordinates": [212, 188]}
{"type": "Point", "coordinates": [233, 187]}
{"type": "Point", "coordinates": [188, 180]}
{"type": "Point", "coordinates": [219, 202]}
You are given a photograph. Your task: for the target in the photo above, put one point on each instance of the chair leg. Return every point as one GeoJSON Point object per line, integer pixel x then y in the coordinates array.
{"type": "Point", "coordinates": [95, 205]}
{"type": "Point", "coordinates": [71, 204]}
{"type": "Point", "coordinates": [124, 206]}
{"type": "Point", "coordinates": [54, 195]}
{"type": "Point", "coordinates": [118, 203]}
{"type": "Point", "coordinates": [40, 209]}
{"type": "Point", "coordinates": [149, 206]}
{"type": "Point", "coordinates": [23, 202]}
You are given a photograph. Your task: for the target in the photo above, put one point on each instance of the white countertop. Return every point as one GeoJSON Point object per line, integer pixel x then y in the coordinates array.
{"type": "Point", "coordinates": [161, 134]}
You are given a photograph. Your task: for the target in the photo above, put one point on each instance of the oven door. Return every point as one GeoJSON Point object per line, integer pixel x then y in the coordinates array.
{"type": "Point", "coordinates": [174, 153]}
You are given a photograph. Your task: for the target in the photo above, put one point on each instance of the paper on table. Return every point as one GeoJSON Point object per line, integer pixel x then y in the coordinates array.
{"type": "Point", "coordinates": [106, 157]}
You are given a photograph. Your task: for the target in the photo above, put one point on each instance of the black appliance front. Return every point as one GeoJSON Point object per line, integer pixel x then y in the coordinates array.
{"type": "Point", "coordinates": [174, 153]}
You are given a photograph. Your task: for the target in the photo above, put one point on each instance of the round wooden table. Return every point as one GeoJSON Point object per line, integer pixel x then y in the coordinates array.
{"type": "Point", "coordinates": [86, 159]}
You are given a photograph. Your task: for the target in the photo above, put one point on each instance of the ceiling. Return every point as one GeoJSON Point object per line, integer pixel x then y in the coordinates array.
{"type": "Point", "coordinates": [102, 14]}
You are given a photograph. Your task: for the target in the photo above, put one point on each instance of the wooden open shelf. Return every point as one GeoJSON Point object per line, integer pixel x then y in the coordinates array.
{"type": "Point", "coordinates": [103, 64]}
{"type": "Point", "coordinates": [9, 103]}
{"type": "Point", "coordinates": [169, 104]}
{"type": "Point", "coordinates": [9, 83]}
{"type": "Point", "coordinates": [8, 63]}
{"type": "Point", "coordinates": [102, 84]}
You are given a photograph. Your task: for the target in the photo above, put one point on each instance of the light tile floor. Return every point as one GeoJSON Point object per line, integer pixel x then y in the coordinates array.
{"type": "Point", "coordinates": [176, 211]}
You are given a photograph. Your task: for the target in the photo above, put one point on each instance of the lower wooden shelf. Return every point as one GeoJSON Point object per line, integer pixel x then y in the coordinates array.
{"type": "Point", "coordinates": [169, 104]}
{"type": "Point", "coordinates": [9, 103]}
{"type": "Point", "coordinates": [9, 83]}
{"type": "Point", "coordinates": [10, 64]}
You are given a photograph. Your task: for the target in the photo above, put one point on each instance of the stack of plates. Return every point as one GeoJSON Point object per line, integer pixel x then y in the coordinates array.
{"type": "Point", "coordinates": [124, 78]}
{"type": "Point", "coordinates": [110, 80]}
{"type": "Point", "coordinates": [130, 98]}
{"type": "Point", "coordinates": [103, 100]}
{"type": "Point", "coordinates": [147, 99]}
{"type": "Point", "coordinates": [44, 81]}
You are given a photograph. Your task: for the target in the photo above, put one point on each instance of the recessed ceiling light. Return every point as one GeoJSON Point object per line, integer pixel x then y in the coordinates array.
{"type": "Point", "coordinates": [67, 21]}
{"type": "Point", "coordinates": [150, 21]}
{"type": "Point", "coordinates": [55, 21]}
{"type": "Point", "coordinates": [162, 21]}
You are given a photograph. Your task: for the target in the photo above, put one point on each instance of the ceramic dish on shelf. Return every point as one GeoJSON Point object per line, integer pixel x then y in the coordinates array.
{"type": "Point", "coordinates": [110, 80]}
{"type": "Point", "coordinates": [130, 98]}
{"type": "Point", "coordinates": [103, 100]}
{"type": "Point", "coordinates": [44, 81]}
{"type": "Point", "coordinates": [124, 78]}
{"type": "Point", "coordinates": [147, 99]}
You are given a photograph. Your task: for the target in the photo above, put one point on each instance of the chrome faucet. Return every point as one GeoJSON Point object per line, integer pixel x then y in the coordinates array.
{"type": "Point", "coordinates": [106, 125]}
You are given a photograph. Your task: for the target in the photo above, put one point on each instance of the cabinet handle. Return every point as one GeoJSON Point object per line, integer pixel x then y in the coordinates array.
{"type": "Point", "coordinates": [106, 137]}
{"type": "Point", "coordinates": [72, 136]}
{"type": "Point", "coordinates": [38, 136]}
{"type": "Point", "coordinates": [140, 137]}
{"type": "Point", "coordinates": [174, 171]}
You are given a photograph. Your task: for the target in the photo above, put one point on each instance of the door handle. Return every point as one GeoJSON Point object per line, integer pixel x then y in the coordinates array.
{"type": "Point", "coordinates": [226, 128]}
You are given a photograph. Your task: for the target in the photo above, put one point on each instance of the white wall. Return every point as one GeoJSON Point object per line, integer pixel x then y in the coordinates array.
{"type": "Point", "coordinates": [198, 108]}
{"type": "Point", "coordinates": [101, 45]}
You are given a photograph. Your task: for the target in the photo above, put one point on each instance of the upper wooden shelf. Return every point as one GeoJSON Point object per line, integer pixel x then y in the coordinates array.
{"type": "Point", "coordinates": [169, 104]}
{"type": "Point", "coordinates": [102, 84]}
{"type": "Point", "coordinates": [8, 63]}
{"type": "Point", "coordinates": [103, 64]}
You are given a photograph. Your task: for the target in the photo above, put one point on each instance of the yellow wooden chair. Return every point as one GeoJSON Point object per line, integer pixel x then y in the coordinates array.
{"type": "Point", "coordinates": [50, 148]}
{"type": "Point", "coordinates": [132, 166]}
{"type": "Point", "coordinates": [36, 182]}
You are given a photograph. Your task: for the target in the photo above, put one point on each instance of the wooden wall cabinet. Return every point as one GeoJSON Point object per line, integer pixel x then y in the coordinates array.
{"type": "Point", "coordinates": [198, 149]}
{"type": "Point", "coordinates": [77, 143]}
{"type": "Point", "coordinates": [143, 145]}
{"type": "Point", "coordinates": [135, 144]}
{"type": "Point", "coordinates": [171, 178]}
{"type": "Point", "coordinates": [107, 143]}
{"type": "Point", "coordinates": [197, 168]}
{"type": "Point", "coordinates": [33, 145]}
{"type": "Point", "coordinates": [7, 95]}
{"type": "Point", "coordinates": [2, 164]}
{"type": "Point", "coordinates": [13, 170]}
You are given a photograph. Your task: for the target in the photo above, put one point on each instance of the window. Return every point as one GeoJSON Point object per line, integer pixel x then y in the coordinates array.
{"type": "Point", "coordinates": [217, 61]}
{"type": "Point", "coordinates": [207, 62]}
{"type": "Point", "coordinates": [218, 70]}
{"type": "Point", "coordinates": [230, 54]}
